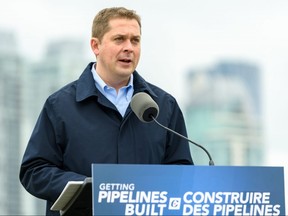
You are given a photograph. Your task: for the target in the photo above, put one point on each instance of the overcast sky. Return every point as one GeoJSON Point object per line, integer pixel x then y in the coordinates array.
{"type": "Point", "coordinates": [178, 35]}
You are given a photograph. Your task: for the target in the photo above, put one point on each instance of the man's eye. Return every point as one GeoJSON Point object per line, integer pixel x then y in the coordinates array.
{"type": "Point", "coordinates": [118, 39]}
{"type": "Point", "coordinates": [136, 40]}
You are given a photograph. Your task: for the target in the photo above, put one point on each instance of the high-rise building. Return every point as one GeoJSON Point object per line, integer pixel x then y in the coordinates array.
{"type": "Point", "coordinates": [63, 62]}
{"type": "Point", "coordinates": [223, 113]}
{"type": "Point", "coordinates": [24, 87]}
{"type": "Point", "coordinates": [10, 120]}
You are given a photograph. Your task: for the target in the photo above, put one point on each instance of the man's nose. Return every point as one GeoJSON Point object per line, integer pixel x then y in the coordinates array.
{"type": "Point", "coordinates": [128, 46]}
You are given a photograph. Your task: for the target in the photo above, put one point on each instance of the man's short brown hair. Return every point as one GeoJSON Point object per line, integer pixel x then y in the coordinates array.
{"type": "Point", "coordinates": [101, 21]}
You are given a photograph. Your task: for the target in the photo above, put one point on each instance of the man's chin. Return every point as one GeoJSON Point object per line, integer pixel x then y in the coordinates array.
{"type": "Point", "coordinates": [126, 71]}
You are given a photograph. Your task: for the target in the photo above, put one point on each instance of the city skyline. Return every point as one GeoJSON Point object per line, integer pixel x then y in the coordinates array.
{"type": "Point", "coordinates": [202, 34]}
{"type": "Point", "coordinates": [192, 34]}
{"type": "Point", "coordinates": [49, 77]}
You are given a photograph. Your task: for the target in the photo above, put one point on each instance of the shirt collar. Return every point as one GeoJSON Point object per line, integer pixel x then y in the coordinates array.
{"type": "Point", "coordinates": [101, 85]}
{"type": "Point", "coordinates": [85, 85]}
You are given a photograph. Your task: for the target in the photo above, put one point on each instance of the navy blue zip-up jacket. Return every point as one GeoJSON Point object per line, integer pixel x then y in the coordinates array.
{"type": "Point", "coordinates": [79, 126]}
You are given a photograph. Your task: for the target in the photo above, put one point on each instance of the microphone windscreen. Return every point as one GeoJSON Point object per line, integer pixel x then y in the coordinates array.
{"type": "Point", "coordinates": [144, 107]}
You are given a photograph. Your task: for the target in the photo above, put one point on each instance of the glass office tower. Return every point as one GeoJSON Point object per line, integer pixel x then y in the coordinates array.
{"type": "Point", "coordinates": [223, 113]}
{"type": "Point", "coordinates": [10, 118]}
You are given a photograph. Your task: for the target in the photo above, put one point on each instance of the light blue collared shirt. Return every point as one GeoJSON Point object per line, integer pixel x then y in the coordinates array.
{"type": "Point", "coordinates": [120, 100]}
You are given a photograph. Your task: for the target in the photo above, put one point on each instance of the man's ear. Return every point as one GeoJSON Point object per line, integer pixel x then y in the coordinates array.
{"type": "Point", "coordinates": [94, 43]}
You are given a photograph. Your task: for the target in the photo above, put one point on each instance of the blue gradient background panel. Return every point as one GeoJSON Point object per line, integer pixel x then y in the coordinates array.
{"type": "Point", "coordinates": [187, 190]}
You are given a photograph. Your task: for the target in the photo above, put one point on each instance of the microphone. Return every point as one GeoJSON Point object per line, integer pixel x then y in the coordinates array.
{"type": "Point", "coordinates": [146, 109]}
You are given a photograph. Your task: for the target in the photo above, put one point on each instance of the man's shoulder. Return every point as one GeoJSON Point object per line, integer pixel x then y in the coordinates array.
{"type": "Point", "coordinates": [82, 85]}
{"type": "Point", "coordinates": [160, 92]}
{"type": "Point", "coordinates": [64, 93]}
{"type": "Point", "coordinates": [152, 89]}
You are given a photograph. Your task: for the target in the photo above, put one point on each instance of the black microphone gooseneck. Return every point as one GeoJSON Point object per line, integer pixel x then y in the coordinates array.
{"type": "Point", "coordinates": [211, 162]}
{"type": "Point", "coordinates": [146, 109]}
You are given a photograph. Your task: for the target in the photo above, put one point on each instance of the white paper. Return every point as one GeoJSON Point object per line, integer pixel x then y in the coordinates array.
{"type": "Point", "coordinates": [66, 195]}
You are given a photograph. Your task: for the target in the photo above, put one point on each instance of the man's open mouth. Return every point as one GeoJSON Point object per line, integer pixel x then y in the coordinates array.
{"type": "Point", "coordinates": [125, 60]}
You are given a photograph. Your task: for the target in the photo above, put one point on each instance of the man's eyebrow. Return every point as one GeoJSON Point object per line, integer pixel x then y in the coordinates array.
{"type": "Point", "coordinates": [124, 35]}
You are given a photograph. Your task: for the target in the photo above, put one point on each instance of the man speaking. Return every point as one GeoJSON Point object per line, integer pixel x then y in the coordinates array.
{"type": "Point", "coordinates": [90, 120]}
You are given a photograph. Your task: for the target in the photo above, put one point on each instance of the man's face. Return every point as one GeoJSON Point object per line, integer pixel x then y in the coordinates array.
{"type": "Point", "coordinates": [119, 51]}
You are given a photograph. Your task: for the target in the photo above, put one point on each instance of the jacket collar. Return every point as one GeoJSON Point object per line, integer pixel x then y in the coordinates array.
{"type": "Point", "coordinates": [86, 85]}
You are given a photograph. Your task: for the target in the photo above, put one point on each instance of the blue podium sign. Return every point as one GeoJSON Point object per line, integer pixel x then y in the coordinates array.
{"type": "Point", "coordinates": [187, 190]}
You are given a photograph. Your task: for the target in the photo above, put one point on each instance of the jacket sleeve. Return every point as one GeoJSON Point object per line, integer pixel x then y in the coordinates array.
{"type": "Point", "coordinates": [41, 172]}
{"type": "Point", "coordinates": [177, 148]}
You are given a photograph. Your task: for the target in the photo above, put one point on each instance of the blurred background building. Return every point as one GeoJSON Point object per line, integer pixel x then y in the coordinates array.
{"type": "Point", "coordinates": [10, 123]}
{"type": "Point", "coordinates": [24, 87]}
{"type": "Point", "coordinates": [223, 113]}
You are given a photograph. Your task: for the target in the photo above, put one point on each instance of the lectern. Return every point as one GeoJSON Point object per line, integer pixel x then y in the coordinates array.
{"type": "Point", "coordinates": [75, 199]}
{"type": "Point", "coordinates": [179, 190]}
